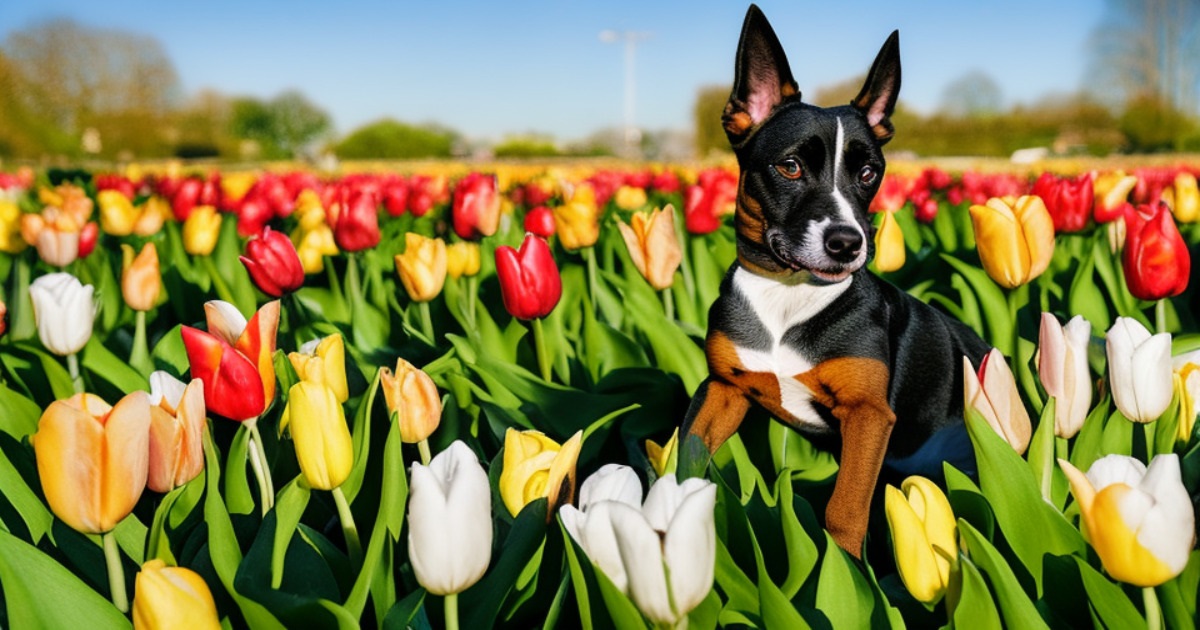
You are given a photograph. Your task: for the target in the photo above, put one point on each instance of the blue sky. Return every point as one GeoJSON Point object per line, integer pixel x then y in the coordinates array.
{"type": "Point", "coordinates": [489, 69]}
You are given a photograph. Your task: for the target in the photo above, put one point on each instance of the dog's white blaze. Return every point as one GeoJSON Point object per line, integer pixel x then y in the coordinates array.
{"type": "Point", "coordinates": [780, 306]}
{"type": "Point", "coordinates": [845, 210]}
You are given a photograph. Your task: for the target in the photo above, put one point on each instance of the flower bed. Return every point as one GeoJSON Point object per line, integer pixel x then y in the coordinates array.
{"type": "Point", "coordinates": [440, 398]}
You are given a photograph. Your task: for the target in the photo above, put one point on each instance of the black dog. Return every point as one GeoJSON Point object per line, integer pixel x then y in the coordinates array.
{"type": "Point", "coordinates": [801, 327]}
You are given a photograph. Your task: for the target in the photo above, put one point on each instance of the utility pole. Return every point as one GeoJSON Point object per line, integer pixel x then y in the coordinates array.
{"type": "Point", "coordinates": [632, 136]}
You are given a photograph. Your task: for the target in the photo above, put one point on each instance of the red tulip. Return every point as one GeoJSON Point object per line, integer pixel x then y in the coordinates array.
{"type": "Point", "coordinates": [476, 207]}
{"type": "Point", "coordinates": [540, 221]}
{"type": "Point", "coordinates": [273, 263]}
{"type": "Point", "coordinates": [1069, 200]}
{"type": "Point", "coordinates": [698, 216]}
{"type": "Point", "coordinates": [395, 195]}
{"type": "Point", "coordinates": [529, 279]}
{"type": "Point", "coordinates": [1156, 260]}
{"type": "Point", "coordinates": [355, 219]}
{"type": "Point", "coordinates": [87, 238]}
{"type": "Point", "coordinates": [234, 359]}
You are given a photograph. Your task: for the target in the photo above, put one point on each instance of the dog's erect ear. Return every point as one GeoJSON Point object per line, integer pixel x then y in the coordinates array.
{"type": "Point", "coordinates": [878, 96]}
{"type": "Point", "coordinates": [762, 79]}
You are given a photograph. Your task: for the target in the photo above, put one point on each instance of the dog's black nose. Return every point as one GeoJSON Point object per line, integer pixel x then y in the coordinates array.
{"type": "Point", "coordinates": [843, 243]}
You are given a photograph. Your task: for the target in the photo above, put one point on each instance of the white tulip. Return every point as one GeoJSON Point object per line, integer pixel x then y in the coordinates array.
{"type": "Point", "coordinates": [665, 553]}
{"type": "Point", "coordinates": [64, 312]}
{"type": "Point", "coordinates": [450, 521]}
{"type": "Point", "coordinates": [590, 523]}
{"type": "Point", "coordinates": [1139, 368]}
{"type": "Point", "coordinates": [1063, 368]}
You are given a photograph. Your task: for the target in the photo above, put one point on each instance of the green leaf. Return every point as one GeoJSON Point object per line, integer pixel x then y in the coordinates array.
{"type": "Point", "coordinates": [843, 593]}
{"type": "Point", "coordinates": [1015, 605]}
{"type": "Point", "coordinates": [18, 415]}
{"type": "Point", "coordinates": [41, 593]}
{"type": "Point", "coordinates": [1032, 527]}
{"type": "Point", "coordinates": [620, 608]}
{"type": "Point", "coordinates": [802, 550]}
{"type": "Point", "coordinates": [33, 512]}
{"type": "Point", "coordinates": [237, 485]}
{"type": "Point", "coordinates": [106, 366]}
{"type": "Point", "coordinates": [1041, 457]}
{"type": "Point", "coordinates": [289, 507]}
{"type": "Point", "coordinates": [401, 614]}
{"type": "Point", "coordinates": [777, 609]}
{"type": "Point", "coordinates": [991, 299]}
{"type": "Point", "coordinates": [482, 601]}
{"type": "Point", "coordinates": [792, 451]}
{"type": "Point", "coordinates": [743, 594]}
{"type": "Point", "coordinates": [1107, 599]}
{"type": "Point", "coordinates": [975, 607]}
{"type": "Point", "coordinates": [394, 494]}
{"type": "Point", "coordinates": [170, 354]}
{"type": "Point", "coordinates": [1085, 298]}
{"type": "Point", "coordinates": [361, 440]}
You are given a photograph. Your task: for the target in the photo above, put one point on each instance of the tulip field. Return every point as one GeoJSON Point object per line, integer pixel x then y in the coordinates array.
{"type": "Point", "coordinates": [447, 396]}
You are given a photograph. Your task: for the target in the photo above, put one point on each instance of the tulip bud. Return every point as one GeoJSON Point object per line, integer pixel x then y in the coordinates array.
{"type": "Point", "coordinates": [422, 266]}
{"type": "Point", "coordinates": [117, 214]}
{"type": "Point", "coordinates": [323, 362]}
{"type": "Point", "coordinates": [536, 466]}
{"type": "Point", "coordinates": [889, 244]}
{"type": "Point", "coordinates": [1015, 241]}
{"type": "Point", "coordinates": [55, 234]}
{"type": "Point", "coordinates": [462, 259]}
{"type": "Point", "coordinates": [172, 597]}
{"type": "Point", "coordinates": [355, 220]}
{"type": "Point", "coordinates": [630, 198]}
{"type": "Point", "coordinates": [1139, 370]}
{"type": "Point", "coordinates": [924, 537]}
{"type": "Point", "coordinates": [1156, 259]}
{"type": "Point", "coordinates": [992, 393]}
{"type": "Point", "coordinates": [317, 422]}
{"type": "Point", "coordinates": [540, 221]}
{"type": "Point", "coordinates": [314, 246]}
{"type": "Point", "coordinates": [1184, 198]}
{"type": "Point", "coordinates": [141, 280]}
{"type": "Point", "coordinates": [475, 209]}
{"type": "Point", "coordinates": [3, 319]}
{"type": "Point", "coordinates": [64, 312]}
{"type": "Point", "coordinates": [1111, 194]}
{"type": "Point", "coordinates": [530, 284]}
{"type": "Point", "coordinates": [1068, 200]}
{"type": "Point", "coordinates": [1139, 520]}
{"type": "Point", "coordinates": [234, 359]}
{"type": "Point", "coordinates": [413, 398]}
{"type": "Point", "coordinates": [1063, 368]}
{"type": "Point", "coordinates": [450, 521]}
{"type": "Point", "coordinates": [177, 421]}
{"type": "Point", "coordinates": [201, 230]}
{"type": "Point", "coordinates": [93, 459]}
{"type": "Point", "coordinates": [1187, 390]}
{"type": "Point", "coordinates": [590, 525]}
{"type": "Point", "coordinates": [653, 245]}
{"type": "Point", "coordinates": [273, 263]}
{"type": "Point", "coordinates": [662, 458]}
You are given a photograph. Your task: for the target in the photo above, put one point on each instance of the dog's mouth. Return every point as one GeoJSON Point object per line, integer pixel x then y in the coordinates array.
{"type": "Point", "coordinates": [784, 256]}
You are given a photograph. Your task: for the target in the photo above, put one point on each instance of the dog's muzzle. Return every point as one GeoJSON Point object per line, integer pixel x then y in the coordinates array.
{"type": "Point", "coordinates": [843, 244]}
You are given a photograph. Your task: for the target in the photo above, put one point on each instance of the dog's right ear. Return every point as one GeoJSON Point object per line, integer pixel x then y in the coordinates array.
{"type": "Point", "coordinates": [762, 79]}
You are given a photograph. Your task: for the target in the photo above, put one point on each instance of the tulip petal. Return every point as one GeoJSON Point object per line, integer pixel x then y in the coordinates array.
{"type": "Point", "coordinates": [126, 458]}
{"type": "Point", "coordinates": [450, 524]}
{"type": "Point", "coordinates": [64, 445]}
{"type": "Point", "coordinates": [689, 548]}
{"type": "Point", "coordinates": [224, 320]}
{"type": "Point", "coordinates": [599, 541]}
{"type": "Point", "coordinates": [642, 555]}
{"type": "Point", "coordinates": [232, 385]}
{"type": "Point", "coordinates": [611, 482]}
{"type": "Point", "coordinates": [914, 555]}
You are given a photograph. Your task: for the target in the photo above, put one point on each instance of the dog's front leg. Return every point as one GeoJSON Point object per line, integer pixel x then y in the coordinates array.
{"type": "Point", "coordinates": [717, 410]}
{"type": "Point", "coordinates": [855, 390]}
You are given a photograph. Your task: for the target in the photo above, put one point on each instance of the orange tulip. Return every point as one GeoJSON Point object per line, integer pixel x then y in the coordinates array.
{"type": "Point", "coordinates": [653, 245]}
{"type": "Point", "coordinates": [411, 396]}
{"type": "Point", "coordinates": [177, 420]}
{"type": "Point", "coordinates": [141, 279]}
{"type": "Point", "coordinates": [93, 459]}
{"type": "Point", "coordinates": [54, 233]}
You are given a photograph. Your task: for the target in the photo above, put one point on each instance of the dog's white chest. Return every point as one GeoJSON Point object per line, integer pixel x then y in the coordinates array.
{"type": "Point", "coordinates": [779, 307]}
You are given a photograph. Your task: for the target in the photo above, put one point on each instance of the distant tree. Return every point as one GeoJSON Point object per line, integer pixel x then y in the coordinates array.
{"type": "Point", "coordinates": [1148, 47]}
{"type": "Point", "coordinates": [280, 127]}
{"type": "Point", "coordinates": [24, 130]}
{"type": "Point", "coordinates": [1152, 124]}
{"type": "Point", "coordinates": [202, 126]}
{"type": "Point", "coordinates": [706, 117]}
{"type": "Point", "coordinates": [526, 146]}
{"type": "Point", "coordinates": [974, 94]}
{"type": "Point", "coordinates": [840, 93]}
{"type": "Point", "coordinates": [390, 139]}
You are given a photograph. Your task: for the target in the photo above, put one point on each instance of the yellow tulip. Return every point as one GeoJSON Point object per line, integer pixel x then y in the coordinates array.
{"type": "Point", "coordinates": [578, 220]}
{"type": "Point", "coordinates": [653, 245]}
{"type": "Point", "coordinates": [462, 259]}
{"type": "Point", "coordinates": [1111, 192]}
{"type": "Point", "coordinates": [924, 536]}
{"type": "Point", "coordinates": [1015, 240]}
{"type": "Point", "coordinates": [536, 466]}
{"type": "Point", "coordinates": [323, 362]}
{"type": "Point", "coordinates": [413, 398]}
{"type": "Point", "coordinates": [200, 231]}
{"type": "Point", "coordinates": [117, 214]}
{"type": "Point", "coordinates": [662, 458]}
{"type": "Point", "coordinates": [317, 423]}
{"type": "Point", "coordinates": [314, 245]}
{"type": "Point", "coordinates": [151, 216]}
{"type": "Point", "coordinates": [1186, 379]}
{"type": "Point", "coordinates": [630, 197]}
{"type": "Point", "coordinates": [177, 421]}
{"type": "Point", "coordinates": [889, 244]}
{"type": "Point", "coordinates": [10, 228]}
{"type": "Point", "coordinates": [234, 186]}
{"type": "Point", "coordinates": [1184, 198]}
{"type": "Point", "coordinates": [93, 459]}
{"type": "Point", "coordinates": [172, 597]}
{"type": "Point", "coordinates": [141, 279]}
{"type": "Point", "coordinates": [422, 266]}
{"type": "Point", "coordinates": [1139, 520]}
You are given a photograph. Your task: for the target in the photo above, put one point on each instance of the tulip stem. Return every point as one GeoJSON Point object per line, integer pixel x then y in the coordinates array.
{"type": "Point", "coordinates": [73, 368]}
{"type": "Point", "coordinates": [589, 255]}
{"type": "Point", "coordinates": [472, 291]}
{"type": "Point", "coordinates": [218, 280]}
{"type": "Point", "coordinates": [116, 572]}
{"type": "Point", "coordinates": [353, 293]}
{"type": "Point", "coordinates": [1160, 315]}
{"type": "Point", "coordinates": [258, 462]}
{"type": "Point", "coordinates": [423, 448]}
{"type": "Point", "coordinates": [139, 356]}
{"type": "Point", "coordinates": [543, 353]}
{"type": "Point", "coordinates": [426, 321]}
{"type": "Point", "coordinates": [349, 530]}
{"type": "Point", "coordinates": [668, 303]}
{"type": "Point", "coordinates": [1154, 616]}
{"type": "Point", "coordinates": [451, 603]}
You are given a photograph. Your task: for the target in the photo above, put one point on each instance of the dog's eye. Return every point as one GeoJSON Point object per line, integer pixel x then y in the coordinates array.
{"type": "Point", "coordinates": [867, 175]}
{"type": "Point", "coordinates": [789, 168]}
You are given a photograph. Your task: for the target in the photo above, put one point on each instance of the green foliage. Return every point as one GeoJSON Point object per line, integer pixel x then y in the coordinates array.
{"type": "Point", "coordinates": [525, 147]}
{"type": "Point", "coordinates": [281, 127]}
{"type": "Point", "coordinates": [706, 119]}
{"type": "Point", "coordinates": [390, 139]}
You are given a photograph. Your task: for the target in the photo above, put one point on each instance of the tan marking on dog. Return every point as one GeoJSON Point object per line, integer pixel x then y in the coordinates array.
{"type": "Point", "coordinates": [855, 390]}
{"type": "Point", "coordinates": [737, 120]}
{"type": "Point", "coordinates": [723, 361]}
{"type": "Point", "coordinates": [720, 415]}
